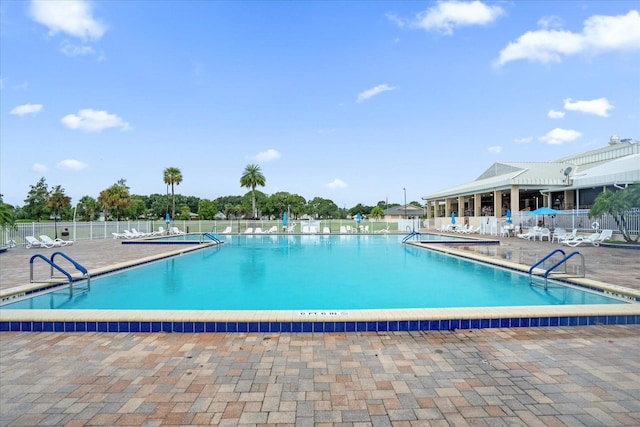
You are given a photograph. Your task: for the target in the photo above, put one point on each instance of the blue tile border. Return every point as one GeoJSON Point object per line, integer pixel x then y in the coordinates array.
{"type": "Point", "coordinates": [315, 326]}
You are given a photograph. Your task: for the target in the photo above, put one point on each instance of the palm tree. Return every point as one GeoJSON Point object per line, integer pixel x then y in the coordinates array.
{"type": "Point", "coordinates": [618, 204]}
{"type": "Point", "coordinates": [7, 220]}
{"type": "Point", "coordinates": [251, 178]}
{"type": "Point", "coordinates": [172, 176]}
{"type": "Point", "coordinates": [56, 201]}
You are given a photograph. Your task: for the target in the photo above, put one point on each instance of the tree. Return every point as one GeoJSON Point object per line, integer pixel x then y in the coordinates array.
{"type": "Point", "coordinates": [207, 209]}
{"type": "Point", "coordinates": [377, 212]}
{"type": "Point", "coordinates": [7, 220]}
{"type": "Point", "coordinates": [172, 176]}
{"type": "Point", "coordinates": [618, 204]}
{"type": "Point", "coordinates": [35, 205]}
{"type": "Point", "coordinates": [322, 208]}
{"type": "Point", "coordinates": [56, 201]}
{"type": "Point", "coordinates": [88, 208]}
{"type": "Point", "coordinates": [115, 198]}
{"type": "Point", "coordinates": [251, 178]}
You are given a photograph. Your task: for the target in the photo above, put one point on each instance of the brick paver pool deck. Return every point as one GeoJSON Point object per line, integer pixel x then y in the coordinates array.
{"type": "Point", "coordinates": [573, 376]}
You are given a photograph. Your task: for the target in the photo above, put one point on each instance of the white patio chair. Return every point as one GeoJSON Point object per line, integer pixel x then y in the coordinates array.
{"type": "Point", "coordinates": [54, 243]}
{"type": "Point", "coordinates": [32, 242]}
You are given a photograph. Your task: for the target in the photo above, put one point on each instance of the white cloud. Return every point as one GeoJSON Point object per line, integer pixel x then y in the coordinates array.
{"type": "Point", "coordinates": [72, 17]}
{"type": "Point", "coordinates": [599, 34]}
{"type": "Point", "coordinates": [524, 140]}
{"type": "Point", "coordinates": [447, 15]}
{"type": "Point", "coordinates": [76, 50]}
{"type": "Point", "coordinates": [495, 149]}
{"type": "Point", "coordinates": [599, 107]}
{"type": "Point", "coordinates": [39, 167]}
{"type": "Point", "coordinates": [24, 109]}
{"type": "Point", "coordinates": [90, 120]}
{"type": "Point", "coordinates": [553, 114]}
{"type": "Point", "coordinates": [70, 164]}
{"type": "Point", "coordinates": [559, 136]}
{"type": "Point", "coordinates": [336, 183]}
{"type": "Point", "coordinates": [369, 93]}
{"type": "Point", "coordinates": [552, 21]}
{"type": "Point", "coordinates": [266, 156]}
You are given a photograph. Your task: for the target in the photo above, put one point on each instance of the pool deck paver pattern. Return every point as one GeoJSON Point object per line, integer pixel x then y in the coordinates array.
{"type": "Point", "coordinates": [575, 376]}
{"type": "Point", "coordinates": [579, 376]}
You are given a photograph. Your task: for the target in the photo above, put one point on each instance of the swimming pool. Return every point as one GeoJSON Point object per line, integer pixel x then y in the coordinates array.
{"type": "Point", "coordinates": [333, 282]}
{"type": "Point", "coordinates": [312, 272]}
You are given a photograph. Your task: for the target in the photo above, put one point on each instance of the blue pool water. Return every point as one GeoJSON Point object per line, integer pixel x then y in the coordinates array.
{"type": "Point", "coordinates": [314, 272]}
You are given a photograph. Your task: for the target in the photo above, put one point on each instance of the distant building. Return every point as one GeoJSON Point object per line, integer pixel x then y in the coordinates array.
{"type": "Point", "coordinates": [402, 212]}
{"type": "Point", "coordinates": [568, 183]}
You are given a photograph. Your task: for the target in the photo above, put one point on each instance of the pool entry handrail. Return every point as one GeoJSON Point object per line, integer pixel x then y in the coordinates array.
{"type": "Point", "coordinates": [415, 234]}
{"type": "Point", "coordinates": [549, 270]}
{"type": "Point", "coordinates": [55, 266]}
{"type": "Point", "coordinates": [51, 263]}
{"type": "Point", "coordinates": [544, 258]}
{"type": "Point", "coordinates": [211, 236]}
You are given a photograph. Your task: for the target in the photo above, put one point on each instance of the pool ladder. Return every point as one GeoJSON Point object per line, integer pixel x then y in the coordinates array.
{"type": "Point", "coordinates": [210, 236]}
{"type": "Point", "coordinates": [54, 266]}
{"type": "Point", "coordinates": [415, 234]}
{"type": "Point", "coordinates": [549, 270]}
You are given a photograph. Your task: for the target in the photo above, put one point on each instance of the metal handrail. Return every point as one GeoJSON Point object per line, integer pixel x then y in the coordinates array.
{"type": "Point", "coordinates": [75, 263]}
{"type": "Point", "coordinates": [563, 261]}
{"type": "Point", "coordinates": [212, 237]}
{"type": "Point", "coordinates": [410, 235]}
{"type": "Point", "coordinates": [546, 257]}
{"type": "Point", "coordinates": [51, 263]}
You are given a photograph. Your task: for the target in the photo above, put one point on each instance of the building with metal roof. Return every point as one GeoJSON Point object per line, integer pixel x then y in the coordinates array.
{"type": "Point", "coordinates": [571, 182]}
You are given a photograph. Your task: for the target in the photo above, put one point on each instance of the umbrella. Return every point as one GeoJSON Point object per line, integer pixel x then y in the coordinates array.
{"type": "Point", "coordinates": [453, 217]}
{"type": "Point", "coordinates": [284, 218]}
{"type": "Point", "coordinates": [508, 216]}
{"type": "Point", "coordinates": [167, 218]}
{"type": "Point", "coordinates": [358, 218]}
{"type": "Point", "coordinates": [543, 211]}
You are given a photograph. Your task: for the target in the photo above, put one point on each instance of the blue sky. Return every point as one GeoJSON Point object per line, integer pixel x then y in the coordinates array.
{"type": "Point", "coordinates": [350, 101]}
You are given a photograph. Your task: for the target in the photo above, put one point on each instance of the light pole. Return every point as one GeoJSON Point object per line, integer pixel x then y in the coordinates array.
{"type": "Point", "coordinates": [405, 204]}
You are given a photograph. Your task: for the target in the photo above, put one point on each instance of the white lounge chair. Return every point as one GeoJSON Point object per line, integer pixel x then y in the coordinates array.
{"type": "Point", "coordinates": [118, 235]}
{"type": "Point", "coordinates": [593, 237]}
{"type": "Point", "coordinates": [384, 230]}
{"type": "Point", "coordinates": [558, 234]}
{"type": "Point", "coordinates": [568, 236]}
{"type": "Point", "coordinates": [139, 233]}
{"type": "Point", "coordinates": [249, 230]}
{"type": "Point", "coordinates": [326, 230]}
{"type": "Point", "coordinates": [472, 230]}
{"type": "Point", "coordinates": [528, 235]}
{"type": "Point", "coordinates": [259, 230]}
{"type": "Point", "coordinates": [129, 234]}
{"type": "Point", "coordinates": [605, 235]}
{"type": "Point", "coordinates": [32, 242]}
{"type": "Point", "coordinates": [227, 230]}
{"type": "Point", "coordinates": [176, 230]}
{"type": "Point", "coordinates": [343, 229]}
{"type": "Point", "coordinates": [544, 233]}
{"type": "Point", "coordinates": [48, 241]}
{"type": "Point", "coordinates": [305, 229]}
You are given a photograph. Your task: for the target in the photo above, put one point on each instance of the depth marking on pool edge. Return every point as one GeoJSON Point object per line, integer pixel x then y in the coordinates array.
{"type": "Point", "coordinates": [322, 313]}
